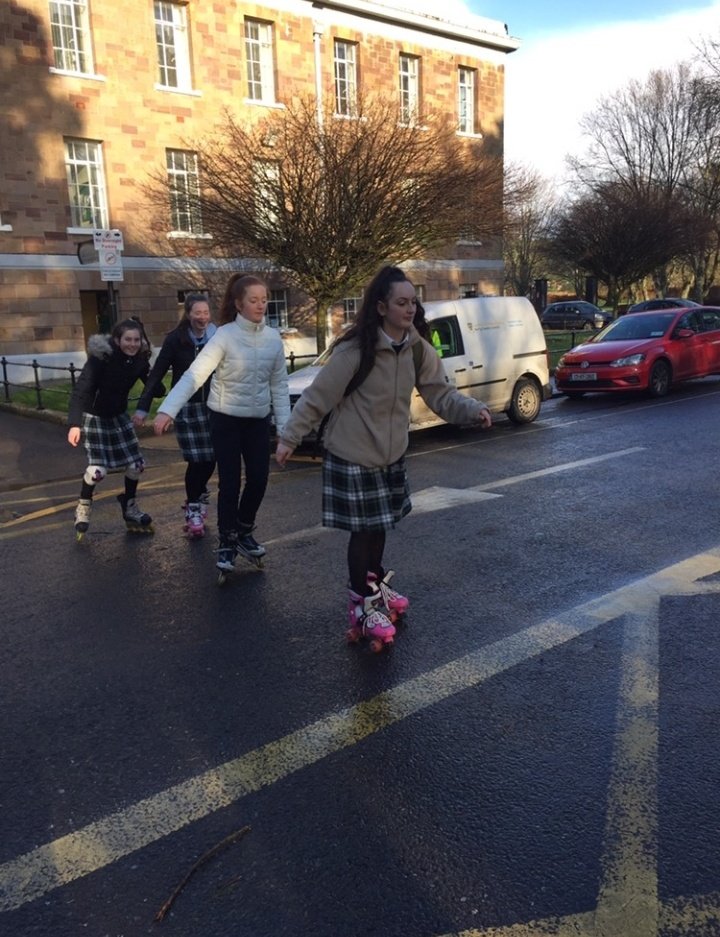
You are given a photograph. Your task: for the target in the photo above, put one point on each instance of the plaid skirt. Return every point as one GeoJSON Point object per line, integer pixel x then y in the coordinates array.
{"type": "Point", "coordinates": [357, 498]}
{"type": "Point", "coordinates": [192, 430]}
{"type": "Point", "coordinates": [110, 441]}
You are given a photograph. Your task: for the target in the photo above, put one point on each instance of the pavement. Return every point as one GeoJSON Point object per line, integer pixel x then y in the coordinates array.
{"type": "Point", "coordinates": [34, 448]}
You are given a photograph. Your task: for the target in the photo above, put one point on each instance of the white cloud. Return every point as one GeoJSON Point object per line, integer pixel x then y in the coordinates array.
{"type": "Point", "coordinates": [552, 81]}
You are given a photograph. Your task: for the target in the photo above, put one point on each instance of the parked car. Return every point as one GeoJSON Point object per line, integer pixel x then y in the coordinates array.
{"type": "Point", "coordinates": [574, 314]}
{"type": "Point", "coordinates": [670, 302]}
{"type": "Point", "coordinates": [492, 348]}
{"type": "Point", "coordinates": [644, 351]}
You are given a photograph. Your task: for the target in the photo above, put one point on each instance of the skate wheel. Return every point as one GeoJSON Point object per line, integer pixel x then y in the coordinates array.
{"type": "Point", "coordinates": [352, 635]}
{"type": "Point", "coordinates": [222, 578]}
{"type": "Point", "coordinates": [79, 535]}
{"type": "Point", "coordinates": [376, 645]}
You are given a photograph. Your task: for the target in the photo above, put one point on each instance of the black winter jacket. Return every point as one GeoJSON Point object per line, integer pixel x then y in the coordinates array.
{"type": "Point", "coordinates": [106, 380]}
{"type": "Point", "coordinates": [177, 353]}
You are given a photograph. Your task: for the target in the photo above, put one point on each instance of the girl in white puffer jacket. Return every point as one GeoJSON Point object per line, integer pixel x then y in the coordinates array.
{"type": "Point", "coordinates": [249, 379]}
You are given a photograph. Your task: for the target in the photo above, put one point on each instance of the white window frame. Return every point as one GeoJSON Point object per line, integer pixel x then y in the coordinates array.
{"type": "Point", "coordinates": [267, 174]}
{"type": "Point", "coordinates": [86, 183]}
{"type": "Point", "coordinates": [172, 46]}
{"type": "Point", "coordinates": [466, 100]}
{"type": "Point", "coordinates": [409, 81]}
{"type": "Point", "coordinates": [184, 186]}
{"type": "Point", "coordinates": [259, 61]}
{"type": "Point", "coordinates": [71, 38]}
{"type": "Point", "coordinates": [420, 291]}
{"type": "Point", "coordinates": [351, 306]}
{"type": "Point", "coordinates": [345, 75]}
{"type": "Point", "coordinates": [276, 313]}
{"type": "Point", "coordinates": [467, 290]}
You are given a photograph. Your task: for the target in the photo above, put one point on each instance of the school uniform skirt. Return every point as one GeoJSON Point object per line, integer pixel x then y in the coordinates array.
{"type": "Point", "coordinates": [111, 441]}
{"type": "Point", "coordinates": [192, 430]}
{"type": "Point", "coordinates": [356, 498]}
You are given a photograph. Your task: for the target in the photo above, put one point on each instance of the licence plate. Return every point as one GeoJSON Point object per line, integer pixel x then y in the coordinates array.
{"type": "Point", "coordinates": [584, 376]}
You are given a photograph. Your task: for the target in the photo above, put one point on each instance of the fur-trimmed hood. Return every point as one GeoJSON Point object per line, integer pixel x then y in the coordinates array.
{"type": "Point", "coordinates": [100, 346]}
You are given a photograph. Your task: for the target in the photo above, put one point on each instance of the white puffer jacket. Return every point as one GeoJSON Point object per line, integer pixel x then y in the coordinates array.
{"type": "Point", "coordinates": [250, 374]}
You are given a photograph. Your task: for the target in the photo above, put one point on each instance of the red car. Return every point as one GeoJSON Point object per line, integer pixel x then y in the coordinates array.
{"type": "Point", "coordinates": [648, 351]}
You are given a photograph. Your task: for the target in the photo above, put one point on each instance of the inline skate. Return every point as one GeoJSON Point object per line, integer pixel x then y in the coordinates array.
{"type": "Point", "coordinates": [82, 517]}
{"type": "Point", "coordinates": [136, 521]}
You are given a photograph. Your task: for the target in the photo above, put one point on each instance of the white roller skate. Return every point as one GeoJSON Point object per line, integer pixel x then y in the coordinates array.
{"type": "Point", "coordinates": [136, 521]}
{"type": "Point", "coordinates": [367, 621]}
{"type": "Point", "coordinates": [82, 517]}
{"type": "Point", "coordinates": [194, 525]}
{"type": "Point", "coordinates": [395, 603]}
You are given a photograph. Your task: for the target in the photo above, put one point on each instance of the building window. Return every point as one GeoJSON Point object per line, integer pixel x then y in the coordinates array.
{"type": "Point", "coordinates": [409, 89]}
{"type": "Point", "coordinates": [466, 100]}
{"type": "Point", "coordinates": [86, 184]}
{"type": "Point", "coordinates": [70, 28]}
{"type": "Point", "coordinates": [345, 78]}
{"type": "Point", "coordinates": [467, 290]}
{"type": "Point", "coordinates": [420, 292]}
{"type": "Point", "coordinates": [267, 191]}
{"type": "Point", "coordinates": [184, 185]}
{"type": "Point", "coordinates": [259, 60]}
{"type": "Point", "coordinates": [351, 306]}
{"type": "Point", "coordinates": [276, 313]}
{"type": "Point", "coordinates": [173, 48]}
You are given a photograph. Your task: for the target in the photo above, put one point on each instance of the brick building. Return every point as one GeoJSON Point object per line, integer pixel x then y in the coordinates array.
{"type": "Point", "coordinates": [94, 94]}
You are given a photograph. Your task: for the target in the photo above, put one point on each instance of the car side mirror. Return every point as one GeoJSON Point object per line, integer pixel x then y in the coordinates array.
{"type": "Point", "coordinates": [683, 333]}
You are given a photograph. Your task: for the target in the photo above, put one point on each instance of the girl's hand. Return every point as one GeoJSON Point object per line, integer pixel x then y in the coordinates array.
{"type": "Point", "coordinates": [138, 419]}
{"type": "Point", "coordinates": [74, 435]}
{"type": "Point", "coordinates": [283, 453]}
{"type": "Point", "coordinates": [162, 423]}
{"type": "Point", "coordinates": [484, 418]}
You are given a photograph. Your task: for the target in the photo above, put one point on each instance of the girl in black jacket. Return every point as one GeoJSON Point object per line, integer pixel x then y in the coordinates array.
{"type": "Point", "coordinates": [192, 424]}
{"type": "Point", "coordinates": [98, 414]}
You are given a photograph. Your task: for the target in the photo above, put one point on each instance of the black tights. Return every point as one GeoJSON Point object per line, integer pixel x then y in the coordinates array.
{"type": "Point", "coordinates": [364, 555]}
{"type": "Point", "coordinates": [197, 475]}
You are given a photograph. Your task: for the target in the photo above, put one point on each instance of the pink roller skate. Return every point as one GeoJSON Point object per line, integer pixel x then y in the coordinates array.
{"type": "Point", "coordinates": [194, 525]}
{"type": "Point", "coordinates": [367, 621]}
{"type": "Point", "coordinates": [395, 603]}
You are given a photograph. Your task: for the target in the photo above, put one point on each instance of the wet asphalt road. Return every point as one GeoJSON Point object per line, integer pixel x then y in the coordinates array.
{"type": "Point", "coordinates": [537, 754]}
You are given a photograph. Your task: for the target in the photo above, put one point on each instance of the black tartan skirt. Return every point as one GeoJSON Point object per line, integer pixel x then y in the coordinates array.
{"type": "Point", "coordinates": [356, 498]}
{"type": "Point", "coordinates": [111, 441]}
{"type": "Point", "coordinates": [192, 430]}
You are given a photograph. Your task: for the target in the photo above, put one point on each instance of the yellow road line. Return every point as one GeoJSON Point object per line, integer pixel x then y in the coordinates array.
{"type": "Point", "coordinates": [105, 841]}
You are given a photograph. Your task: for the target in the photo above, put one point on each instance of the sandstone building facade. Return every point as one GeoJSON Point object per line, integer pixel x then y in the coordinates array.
{"type": "Point", "coordinates": [94, 95]}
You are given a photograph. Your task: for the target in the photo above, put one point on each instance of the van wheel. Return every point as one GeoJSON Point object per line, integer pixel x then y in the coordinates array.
{"type": "Point", "coordinates": [525, 404]}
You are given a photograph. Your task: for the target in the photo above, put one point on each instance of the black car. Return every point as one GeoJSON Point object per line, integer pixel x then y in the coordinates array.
{"type": "Point", "coordinates": [574, 314]}
{"type": "Point", "coordinates": [671, 302]}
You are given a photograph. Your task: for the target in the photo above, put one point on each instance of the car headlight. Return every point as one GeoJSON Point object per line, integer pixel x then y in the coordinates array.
{"type": "Point", "coordinates": [627, 362]}
{"type": "Point", "coordinates": [561, 362]}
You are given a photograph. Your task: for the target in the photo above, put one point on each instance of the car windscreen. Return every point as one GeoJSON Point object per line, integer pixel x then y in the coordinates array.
{"type": "Point", "coordinates": [645, 325]}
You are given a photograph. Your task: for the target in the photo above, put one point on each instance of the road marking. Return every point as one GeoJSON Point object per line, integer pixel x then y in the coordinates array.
{"type": "Point", "coordinates": [113, 837]}
{"type": "Point", "coordinates": [628, 903]}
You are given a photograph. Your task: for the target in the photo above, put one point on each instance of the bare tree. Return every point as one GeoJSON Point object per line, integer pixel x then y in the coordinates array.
{"type": "Point", "coordinates": [619, 237]}
{"type": "Point", "coordinates": [328, 200]}
{"type": "Point", "coordinates": [529, 204]}
{"type": "Point", "coordinates": [660, 139]}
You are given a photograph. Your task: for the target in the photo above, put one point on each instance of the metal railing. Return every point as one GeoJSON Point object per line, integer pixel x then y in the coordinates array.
{"type": "Point", "coordinates": [36, 385]}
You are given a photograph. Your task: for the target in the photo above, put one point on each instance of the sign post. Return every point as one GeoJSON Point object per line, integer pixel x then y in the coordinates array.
{"type": "Point", "coordinates": [108, 243]}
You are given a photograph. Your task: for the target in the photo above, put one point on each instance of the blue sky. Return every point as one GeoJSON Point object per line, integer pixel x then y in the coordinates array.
{"type": "Point", "coordinates": [572, 54]}
{"type": "Point", "coordinates": [526, 18]}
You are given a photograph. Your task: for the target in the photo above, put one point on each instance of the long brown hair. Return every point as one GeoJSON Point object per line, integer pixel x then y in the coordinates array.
{"type": "Point", "coordinates": [237, 285]}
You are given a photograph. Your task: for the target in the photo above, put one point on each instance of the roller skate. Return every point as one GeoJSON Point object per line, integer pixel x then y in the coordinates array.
{"type": "Point", "coordinates": [82, 517]}
{"type": "Point", "coordinates": [194, 525]}
{"type": "Point", "coordinates": [395, 604]}
{"type": "Point", "coordinates": [367, 621]}
{"type": "Point", "coordinates": [136, 521]}
{"type": "Point", "coordinates": [226, 553]}
{"type": "Point", "coordinates": [248, 546]}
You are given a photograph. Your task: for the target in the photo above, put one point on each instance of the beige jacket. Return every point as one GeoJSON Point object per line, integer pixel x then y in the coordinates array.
{"type": "Point", "coordinates": [370, 426]}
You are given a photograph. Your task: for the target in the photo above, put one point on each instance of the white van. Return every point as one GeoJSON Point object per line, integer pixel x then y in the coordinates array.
{"type": "Point", "coordinates": [493, 349]}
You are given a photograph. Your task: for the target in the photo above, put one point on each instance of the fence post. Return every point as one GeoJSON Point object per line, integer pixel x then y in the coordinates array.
{"type": "Point", "coordinates": [6, 383]}
{"type": "Point", "coordinates": [292, 361]}
{"type": "Point", "coordinates": [38, 388]}
{"type": "Point", "coordinates": [72, 369]}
